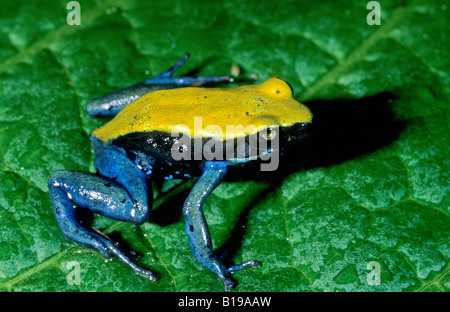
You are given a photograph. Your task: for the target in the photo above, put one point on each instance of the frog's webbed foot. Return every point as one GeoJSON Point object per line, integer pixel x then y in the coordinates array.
{"type": "Point", "coordinates": [229, 284]}
{"type": "Point", "coordinates": [216, 266]}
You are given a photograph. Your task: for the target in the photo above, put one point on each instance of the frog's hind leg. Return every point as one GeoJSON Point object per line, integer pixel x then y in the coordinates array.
{"type": "Point", "coordinates": [115, 196]}
{"type": "Point", "coordinates": [111, 104]}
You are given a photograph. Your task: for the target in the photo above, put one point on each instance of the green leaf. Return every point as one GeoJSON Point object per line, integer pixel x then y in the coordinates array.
{"type": "Point", "coordinates": [370, 186]}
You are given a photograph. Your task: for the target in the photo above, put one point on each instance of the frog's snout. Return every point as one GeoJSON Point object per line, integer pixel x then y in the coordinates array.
{"type": "Point", "coordinates": [296, 132]}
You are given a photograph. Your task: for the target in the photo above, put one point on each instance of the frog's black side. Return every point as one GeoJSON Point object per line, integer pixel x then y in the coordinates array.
{"type": "Point", "coordinates": [163, 155]}
{"type": "Point", "coordinates": [152, 151]}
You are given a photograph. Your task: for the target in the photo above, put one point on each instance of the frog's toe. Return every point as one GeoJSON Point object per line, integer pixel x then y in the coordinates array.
{"type": "Point", "coordinates": [103, 250]}
{"type": "Point", "coordinates": [247, 264]}
{"type": "Point", "coordinates": [101, 243]}
{"type": "Point", "coordinates": [114, 251]}
{"type": "Point", "coordinates": [108, 250]}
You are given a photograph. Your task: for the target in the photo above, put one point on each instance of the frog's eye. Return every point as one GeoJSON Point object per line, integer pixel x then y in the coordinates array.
{"type": "Point", "coordinates": [269, 134]}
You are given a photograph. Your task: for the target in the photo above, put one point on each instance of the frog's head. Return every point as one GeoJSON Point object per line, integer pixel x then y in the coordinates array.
{"type": "Point", "coordinates": [283, 115]}
{"type": "Point", "coordinates": [279, 120]}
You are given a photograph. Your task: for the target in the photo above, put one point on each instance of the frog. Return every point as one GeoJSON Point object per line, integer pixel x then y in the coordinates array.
{"type": "Point", "coordinates": [136, 147]}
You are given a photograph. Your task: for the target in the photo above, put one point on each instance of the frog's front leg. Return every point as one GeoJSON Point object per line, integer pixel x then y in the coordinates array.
{"type": "Point", "coordinates": [111, 104]}
{"type": "Point", "coordinates": [118, 192]}
{"type": "Point", "coordinates": [197, 228]}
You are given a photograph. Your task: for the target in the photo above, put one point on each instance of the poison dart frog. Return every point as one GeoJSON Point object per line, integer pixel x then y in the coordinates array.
{"type": "Point", "coordinates": [144, 142]}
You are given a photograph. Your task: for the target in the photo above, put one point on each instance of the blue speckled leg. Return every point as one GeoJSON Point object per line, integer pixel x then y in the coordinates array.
{"type": "Point", "coordinates": [120, 193]}
{"type": "Point", "coordinates": [111, 104]}
{"type": "Point", "coordinates": [197, 228]}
